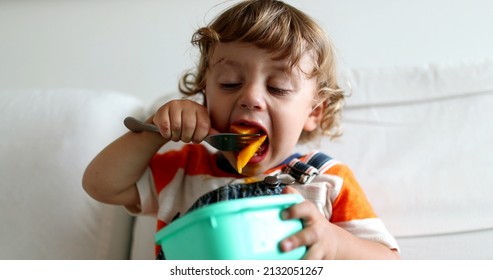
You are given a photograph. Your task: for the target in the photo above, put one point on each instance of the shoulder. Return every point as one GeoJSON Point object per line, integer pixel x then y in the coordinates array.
{"type": "Point", "coordinates": [340, 169]}
{"type": "Point", "coordinates": [326, 164]}
{"type": "Point", "coordinates": [338, 173]}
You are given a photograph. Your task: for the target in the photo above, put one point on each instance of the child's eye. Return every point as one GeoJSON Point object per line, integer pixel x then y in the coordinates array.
{"type": "Point", "coordinates": [231, 86]}
{"type": "Point", "coordinates": [278, 91]}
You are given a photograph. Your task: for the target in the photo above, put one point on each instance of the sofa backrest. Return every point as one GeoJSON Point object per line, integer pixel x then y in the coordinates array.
{"type": "Point", "coordinates": [47, 140]}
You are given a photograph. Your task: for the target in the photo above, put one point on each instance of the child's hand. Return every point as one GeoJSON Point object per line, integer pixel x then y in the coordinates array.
{"type": "Point", "coordinates": [183, 120]}
{"type": "Point", "coordinates": [318, 233]}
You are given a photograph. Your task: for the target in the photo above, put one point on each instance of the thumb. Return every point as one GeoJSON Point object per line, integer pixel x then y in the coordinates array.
{"type": "Point", "coordinates": [212, 131]}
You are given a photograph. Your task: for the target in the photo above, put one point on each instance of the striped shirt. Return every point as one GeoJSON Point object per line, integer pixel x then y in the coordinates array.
{"type": "Point", "coordinates": [178, 178]}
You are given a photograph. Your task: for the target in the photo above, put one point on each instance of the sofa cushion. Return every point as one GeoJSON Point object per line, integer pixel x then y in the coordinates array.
{"type": "Point", "coordinates": [48, 137]}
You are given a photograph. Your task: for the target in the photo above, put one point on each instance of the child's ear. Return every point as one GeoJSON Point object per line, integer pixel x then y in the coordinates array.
{"type": "Point", "coordinates": [315, 118]}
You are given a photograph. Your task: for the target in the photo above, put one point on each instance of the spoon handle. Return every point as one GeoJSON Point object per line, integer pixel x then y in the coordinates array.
{"type": "Point", "coordinates": [137, 126]}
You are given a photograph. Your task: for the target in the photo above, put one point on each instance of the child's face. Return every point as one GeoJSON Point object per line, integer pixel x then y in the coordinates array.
{"type": "Point", "coordinates": [245, 86]}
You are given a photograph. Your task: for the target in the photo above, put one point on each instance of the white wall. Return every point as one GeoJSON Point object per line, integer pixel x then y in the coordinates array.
{"type": "Point", "coordinates": [142, 47]}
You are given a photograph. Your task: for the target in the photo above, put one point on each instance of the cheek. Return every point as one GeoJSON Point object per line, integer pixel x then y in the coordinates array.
{"type": "Point", "coordinates": [288, 124]}
{"type": "Point", "coordinates": [293, 115]}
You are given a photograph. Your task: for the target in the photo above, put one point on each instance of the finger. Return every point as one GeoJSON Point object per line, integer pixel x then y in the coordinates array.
{"type": "Point", "coordinates": [162, 121]}
{"type": "Point", "coordinates": [290, 190]}
{"type": "Point", "coordinates": [189, 124]}
{"type": "Point", "coordinates": [305, 210]}
{"type": "Point", "coordinates": [306, 237]}
{"type": "Point", "coordinates": [203, 125]}
{"type": "Point", "coordinates": [175, 117]}
{"type": "Point", "coordinates": [301, 211]}
{"type": "Point", "coordinates": [308, 213]}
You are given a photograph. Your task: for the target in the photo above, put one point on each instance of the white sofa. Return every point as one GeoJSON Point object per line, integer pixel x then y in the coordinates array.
{"type": "Point", "coordinates": [418, 139]}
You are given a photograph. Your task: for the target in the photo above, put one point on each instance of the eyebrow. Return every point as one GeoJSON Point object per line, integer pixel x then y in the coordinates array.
{"type": "Point", "coordinates": [226, 61]}
{"type": "Point", "coordinates": [280, 67]}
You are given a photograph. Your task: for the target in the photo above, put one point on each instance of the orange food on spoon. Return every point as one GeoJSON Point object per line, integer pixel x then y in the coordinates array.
{"type": "Point", "coordinates": [249, 151]}
{"type": "Point", "coordinates": [241, 129]}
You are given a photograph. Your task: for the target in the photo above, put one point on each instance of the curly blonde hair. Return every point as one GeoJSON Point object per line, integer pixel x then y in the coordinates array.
{"type": "Point", "coordinates": [283, 30]}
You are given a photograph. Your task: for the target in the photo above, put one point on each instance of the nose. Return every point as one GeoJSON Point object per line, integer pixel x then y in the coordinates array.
{"type": "Point", "coordinates": [252, 98]}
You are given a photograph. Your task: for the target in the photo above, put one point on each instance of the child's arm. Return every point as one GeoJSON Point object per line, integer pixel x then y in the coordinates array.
{"type": "Point", "coordinates": [112, 175]}
{"type": "Point", "coordinates": [328, 241]}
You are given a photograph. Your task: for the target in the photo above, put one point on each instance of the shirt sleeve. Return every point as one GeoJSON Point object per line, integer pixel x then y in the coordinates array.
{"type": "Point", "coordinates": [148, 197]}
{"type": "Point", "coordinates": [352, 211]}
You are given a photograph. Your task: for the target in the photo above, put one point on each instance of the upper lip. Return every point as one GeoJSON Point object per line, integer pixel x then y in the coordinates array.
{"type": "Point", "coordinates": [251, 123]}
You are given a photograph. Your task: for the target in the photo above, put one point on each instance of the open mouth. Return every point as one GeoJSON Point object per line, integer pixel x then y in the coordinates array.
{"type": "Point", "coordinates": [255, 151]}
{"type": "Point", "coordinates": [252, 129]}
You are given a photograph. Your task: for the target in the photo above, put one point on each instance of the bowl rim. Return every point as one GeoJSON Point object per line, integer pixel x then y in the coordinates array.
{"type": "Point", "coordinates": [228, 207]}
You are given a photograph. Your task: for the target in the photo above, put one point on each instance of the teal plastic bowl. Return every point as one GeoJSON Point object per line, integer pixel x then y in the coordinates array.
{"type": "Point", "coordinates": [241, 229]}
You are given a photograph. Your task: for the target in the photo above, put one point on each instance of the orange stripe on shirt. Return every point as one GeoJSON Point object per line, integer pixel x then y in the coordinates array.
{"type": "Point", "coordinates": [194, 159]}
{"type": "Point", "coordinates": [351, 204]}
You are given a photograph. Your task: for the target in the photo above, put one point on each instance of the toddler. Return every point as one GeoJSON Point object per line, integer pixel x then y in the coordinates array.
{"type": "Point", "coordinates": [268, 67]}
